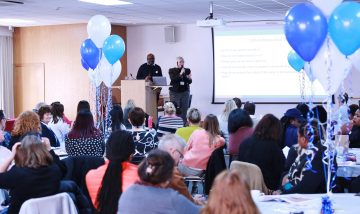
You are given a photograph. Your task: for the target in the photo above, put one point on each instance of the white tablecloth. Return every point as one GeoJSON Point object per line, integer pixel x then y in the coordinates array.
{"type": "Point", "coordinates": [349, 169]}
{"type": "Point", "coordinates": [311, 203]}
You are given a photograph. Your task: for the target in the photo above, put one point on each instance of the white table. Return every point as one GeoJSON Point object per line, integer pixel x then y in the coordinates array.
{"type": "Point", "coordinates": [349, 169]}
{"type": "Point", "coordinates": [346, 203]}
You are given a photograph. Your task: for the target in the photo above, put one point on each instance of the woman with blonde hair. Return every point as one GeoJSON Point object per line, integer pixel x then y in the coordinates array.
{"type": "Point", "coordinates": [224, 118]}
{"type": "Point", "coordinates": [200, 146]}
{"type": "Point", "coordinates": [27, 121]}
{"type": "Point", "coordinates": [230, 194]}
{"type": "Point", "coordinates": [169, 123]}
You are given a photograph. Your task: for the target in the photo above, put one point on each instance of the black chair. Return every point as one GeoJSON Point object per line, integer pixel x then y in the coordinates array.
{"type": "Point", "coordinates": [215, 165]}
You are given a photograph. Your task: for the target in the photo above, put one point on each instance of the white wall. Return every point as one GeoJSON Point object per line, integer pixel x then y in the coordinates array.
{"type": "Point", "coordinates": [4, 31]}
{"type": "Point", "coordinates": [195, 45]}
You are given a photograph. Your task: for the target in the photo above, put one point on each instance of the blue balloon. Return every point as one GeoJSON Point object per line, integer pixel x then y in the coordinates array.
{"type": "Point", "coordinates": [295, 61]}
{"type": "Point", "coordinates": [305, 29]}
{"type": "Point", "coordinates": [90, 53]}
{"type": "Point", "coordinates": [114, 48]}
{"type": "Point", "coordinates": [344, 27]}
{"type": "Point", "coordinates": [83, 63]}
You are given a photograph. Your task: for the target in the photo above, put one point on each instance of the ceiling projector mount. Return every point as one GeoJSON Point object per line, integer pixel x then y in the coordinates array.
{"type": "Point", "coordinates": [210, 21]}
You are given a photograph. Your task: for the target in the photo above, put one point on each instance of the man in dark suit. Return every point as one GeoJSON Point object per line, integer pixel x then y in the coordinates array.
{"type": "Point", "coordinates": [180, 86]}
{"type": "Point", "coordinates": [149, 69]}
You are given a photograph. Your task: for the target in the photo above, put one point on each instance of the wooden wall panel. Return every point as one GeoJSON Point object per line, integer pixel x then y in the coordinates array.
{"type": "Point", "coordinates": [58, 48]}
{"type": "Point", "coordinates": [27, 77]}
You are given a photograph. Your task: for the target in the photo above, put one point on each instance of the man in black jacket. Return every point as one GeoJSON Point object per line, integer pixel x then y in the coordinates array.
{"type": "Point", "coordinates": [149, 69]}
{"type": "Point", "coordinates": [180, 86]}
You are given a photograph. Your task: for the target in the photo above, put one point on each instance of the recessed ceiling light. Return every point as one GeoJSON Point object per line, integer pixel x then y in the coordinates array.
{"type": "Point", "coordinates": [7, 21]}
{"type": "Point", "coordinates": [106, 2]}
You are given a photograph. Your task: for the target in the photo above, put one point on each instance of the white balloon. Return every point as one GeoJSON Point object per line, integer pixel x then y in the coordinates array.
{"type": "Point", "coordinates": [330, 67]}
{"type": "Point", "coordinates": [109, 73]}
{"type": "Point", "coordinates": [355, 59]}
{"type": "Point", "coordinates": [116, 71]}
{"type": "Point", "coordinates": [327, 6]}
{"type": "Point", "coordinates": [94, 76]}
{"type": "Point", "coordinates": [98, 28]}
{"type": "Point", "coordinates": [309, 73]}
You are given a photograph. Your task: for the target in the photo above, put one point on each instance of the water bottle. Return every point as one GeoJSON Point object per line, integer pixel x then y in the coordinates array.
{"type": "Point", "coordinates": [149, 122]}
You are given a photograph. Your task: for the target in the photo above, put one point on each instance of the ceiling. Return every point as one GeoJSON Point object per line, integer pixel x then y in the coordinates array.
{"type": "Point", "coordinates": [142, 12]}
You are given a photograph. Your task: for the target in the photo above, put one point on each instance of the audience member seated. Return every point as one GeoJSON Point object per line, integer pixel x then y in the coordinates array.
{"type": "Point", "coordinates": [240, 128]}
{"type": "Point", "coordinates": [57, 123]}
{"type": "Point", "coordinates": [34, 173]}
{"type": "Point", "coordinates": [250, 107]}
{"type": "Point", "coordinates": [151, 194]}
{"type": "Point", "coordinates": [319, 113]}
{"type": "Point", "coordinates": [83, 105]}
{"type": "Point", "coordinates": [175, 145]}
{"type": "Point", "coordinates": [144, 140]}
{"type": "Point", "coordinates": [200, 146]}
{"type": "Point", "coordinates": [223, 119]}
{"type": "Point", "coordinates": [291, 122]}
{"type": "Point", "coordinates": [169, 123]}
{"type": "Point", "coordinates": [5, 136]}
{"type": "Point", "coordinates": [130, 104]}
{"type": "Point", "coordinates": [27, 121]}
{"type": "Point", "coordinates": [109, 181]}
{"type": "Point", "coordinates": [263, 149]}
{"type": "Point", "coordinates": [304, 109]}
{"type": "Point", "coordinates": [117, 118]}
{"type": "Point", "coordinates": [44, 113]}
{"type": "Point", "coordinates": [306, 174]}
{"type": "Point", "coordinates": [193, 118]}
{"type": "Point", "coordinates": [84, 138]}
{"type": "Point", "coordinates": [354, 136]}
{"type": "Point", "coordinates": [346, 128]}
{"type": "Point", "coordinates": [237, 102]}
{"type": "Point", "coordinates": [230, 194]}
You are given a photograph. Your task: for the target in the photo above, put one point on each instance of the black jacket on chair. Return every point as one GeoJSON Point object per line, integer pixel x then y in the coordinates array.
{"type": "Point", "coordinates": [78, 167]}
{"type": "Point", "coordinates": [82, 203]}
{"type": "Point", "coordinates": [215, 165]}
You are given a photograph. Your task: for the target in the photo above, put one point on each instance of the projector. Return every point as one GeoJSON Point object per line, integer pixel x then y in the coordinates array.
{"type": "Point", "coordinates": [210, 23]}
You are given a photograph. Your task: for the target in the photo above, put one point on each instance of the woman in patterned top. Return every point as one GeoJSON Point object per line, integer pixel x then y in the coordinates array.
{"type": "Point", "coordinates": [84, 138]}
{"type": "Point", "coordinates": [169, 123]}
{"type": "Point", "coordinates": [144, 140]}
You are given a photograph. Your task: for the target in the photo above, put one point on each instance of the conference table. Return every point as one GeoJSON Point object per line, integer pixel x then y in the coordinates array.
{"type": "Point", "coordinates": [347, 203]}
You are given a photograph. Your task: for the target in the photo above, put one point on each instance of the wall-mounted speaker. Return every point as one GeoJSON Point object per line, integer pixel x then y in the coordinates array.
{"type": "Point", "coordinates": [169, 33]}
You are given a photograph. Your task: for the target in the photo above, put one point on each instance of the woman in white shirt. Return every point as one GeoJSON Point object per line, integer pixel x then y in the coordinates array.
{"type": "Point", "coordinates": [57, 123]}
{"type": "Point", "coordinates": [224, 117]}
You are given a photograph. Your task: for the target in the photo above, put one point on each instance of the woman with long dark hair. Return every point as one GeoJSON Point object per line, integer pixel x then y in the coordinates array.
{"type": "Point", "coordinates": [263, 149]}
{"type": "Point", "coordinates": [117, 118]}
{"type": "Point", "coordinates": [200, 146]}
{"type": "Point", "coordinates": [109, 181]}
{"type": "Point", "coordinates": [84, 138]}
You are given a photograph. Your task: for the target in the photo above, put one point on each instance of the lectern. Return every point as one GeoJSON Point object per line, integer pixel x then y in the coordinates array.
{"type": "Point", "coordinates": [142, 94]}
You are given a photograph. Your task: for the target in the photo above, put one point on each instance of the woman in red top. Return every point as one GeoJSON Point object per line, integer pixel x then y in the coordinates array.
{"type": "Point", "coordinates": [106, 183]}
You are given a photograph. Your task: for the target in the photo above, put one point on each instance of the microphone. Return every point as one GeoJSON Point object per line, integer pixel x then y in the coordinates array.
{"type": "Point", "coordinates": [132, 76]}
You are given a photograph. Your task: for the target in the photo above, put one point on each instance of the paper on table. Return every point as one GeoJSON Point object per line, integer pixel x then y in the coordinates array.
{"type": "Point", "coordinates": [292, 199]}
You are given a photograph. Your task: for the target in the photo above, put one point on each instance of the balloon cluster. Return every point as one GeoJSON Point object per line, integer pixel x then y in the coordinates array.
{"type": "Point", "coordinates": [100, 53]}
{"type": "Point", "coordinates": [326, 34]}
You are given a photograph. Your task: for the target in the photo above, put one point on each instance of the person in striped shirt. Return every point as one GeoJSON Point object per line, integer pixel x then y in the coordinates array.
{"type": "Point", "coordinates": [169, 123]}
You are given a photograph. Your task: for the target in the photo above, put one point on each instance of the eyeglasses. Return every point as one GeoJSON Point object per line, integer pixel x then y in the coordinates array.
{"type": "Point", "coordinates": [181, 154]}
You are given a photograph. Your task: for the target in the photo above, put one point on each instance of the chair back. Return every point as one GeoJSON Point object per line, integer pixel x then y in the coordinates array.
{"type": "Point", "coordinates": [59, 203]}
{"type": "Point", "coordinates": [251, 173]}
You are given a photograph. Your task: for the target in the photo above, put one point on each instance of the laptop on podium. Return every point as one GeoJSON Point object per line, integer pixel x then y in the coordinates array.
{"type": "Point", "coordinates": [159, 81]}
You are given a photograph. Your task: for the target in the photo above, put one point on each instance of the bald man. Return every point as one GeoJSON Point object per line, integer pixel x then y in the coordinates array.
{"type": "Point", "coordinates": [149, 69]}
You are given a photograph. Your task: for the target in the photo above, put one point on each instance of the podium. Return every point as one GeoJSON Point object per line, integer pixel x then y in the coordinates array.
{"type": "Point", "coordinates": [142, 94]}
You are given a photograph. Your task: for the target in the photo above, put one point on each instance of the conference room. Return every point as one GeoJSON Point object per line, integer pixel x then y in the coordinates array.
{"type": "Point", "coordinates": [178, 68]}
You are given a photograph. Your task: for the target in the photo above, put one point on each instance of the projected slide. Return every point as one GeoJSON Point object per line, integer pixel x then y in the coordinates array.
{"type": "Point", "coordinates": [252, 65]}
